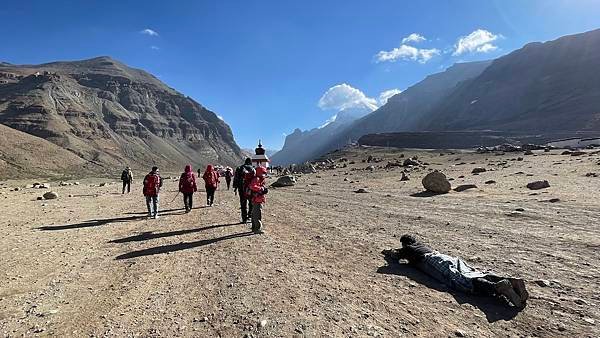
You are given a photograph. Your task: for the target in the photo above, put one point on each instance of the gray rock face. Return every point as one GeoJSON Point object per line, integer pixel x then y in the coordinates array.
{"type": "Point", "coordinates": [465, 187]}
{"type": "Point", "coordinates": [436, 182]}
{"type": "Point", "coordinates": [284, 181]}
{"type": "Point", "coordinates": [108, 113]}
{"type": "Point", "coordinates": [50, 195]}
{"type": "Point", "coordinates": [537, 185]}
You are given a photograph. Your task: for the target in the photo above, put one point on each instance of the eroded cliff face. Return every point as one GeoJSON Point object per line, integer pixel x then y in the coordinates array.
{"type": "Point", "coordinates": [113, 115]}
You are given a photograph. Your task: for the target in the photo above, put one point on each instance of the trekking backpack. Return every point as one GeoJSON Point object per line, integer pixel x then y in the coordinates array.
{"type": "Point", "coordinates": [187, 181]}
{"type": "Point", "coordinates": [125, 175]}
{"type": "Point", "coordinates": [151, 185]}
{"type": "Point", "coordinates": [249, 174]}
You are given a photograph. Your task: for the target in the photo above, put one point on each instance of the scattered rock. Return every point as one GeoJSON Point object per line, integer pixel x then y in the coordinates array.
{"type": "Point", "coordinates": [50, 195]}
{"type": "Point", "coordinates": [284, 181]}
{"type": "Point", "coordinates": [410, 161]}
{"type": "Point", "coordinates": [537, 185]}
{"type": "Point", "coordinates": [520, 209]}
{"type": "Point", "coordinates": [436, 182]}
{"type": "Point", "coordinates": [543, 283]}
{"type": "Point", "coordinates": [465, 187]}
{"type": "Point", "coordinates": [404, 177]}
{"type": "Point", "coordinates": [17, 189]}
{"type": "Point", "coordinates": [263, 323]}
{"type": "Point", "coordinates": [361, 191]}
{"type": "Point", "coordinates": [102, 185]}
{"type": "Point", "coordinates": [370, 168]}
{"type": "Point", "coordinates": [591, 175]}
{"type": "Point", "coordinates": [528, 152]}
{"type": "Point", "coordinates": [490, 182]}
{"type": "Point", "coordinates": [39, 198]}
{"type": "Point", "coordinates": [459, 333]}
{"type": "Point", "coordinates": [478, 170]}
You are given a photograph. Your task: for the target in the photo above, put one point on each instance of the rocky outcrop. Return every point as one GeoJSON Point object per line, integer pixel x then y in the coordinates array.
{"type": "Point", "coordinates": [109, 114]}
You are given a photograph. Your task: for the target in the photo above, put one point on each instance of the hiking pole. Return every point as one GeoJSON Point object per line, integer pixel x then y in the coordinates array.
{"type": "Point", "coordinates": [174, 198]}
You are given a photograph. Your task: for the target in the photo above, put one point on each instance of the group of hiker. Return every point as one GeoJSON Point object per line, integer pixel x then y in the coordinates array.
{"type": "Point", "coordinates": [248, 182]}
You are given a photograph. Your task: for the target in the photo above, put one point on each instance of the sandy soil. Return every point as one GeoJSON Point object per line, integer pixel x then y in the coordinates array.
{"type": "Point", "coordinates": [94, 265]}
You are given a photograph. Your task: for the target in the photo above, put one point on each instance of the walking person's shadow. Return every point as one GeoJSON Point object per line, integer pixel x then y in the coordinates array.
{"type": "Point", "coordinates": [493, 308]}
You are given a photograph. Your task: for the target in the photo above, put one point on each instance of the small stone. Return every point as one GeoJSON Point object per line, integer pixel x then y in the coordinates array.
{"type": "Point", "coordinates": [520, 209]}
{"type": "Point", "coordinates": [361, 191]}
{"type": "Point", "coordinates": [50, 195]}
{"type": "Point", "coordinates": [543, 283]}
{"type": "Point", "coordinates": [263, 323]}
{"type": "Point", "coordinates": [490, 182]}
{"type": "Point", "coordinates": [537, 185]}
{"type": "Point", "coordinates": [465, 187]}
{"type": "Point", "coordinates": [459, 333]}
{"type": "Point", "coordinates": [478, 170]}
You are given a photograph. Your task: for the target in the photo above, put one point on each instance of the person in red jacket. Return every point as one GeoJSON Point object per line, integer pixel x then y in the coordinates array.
{"type": "Point", "coordinates": [152, 184]}
{"type": "Point", "coordinates": [259, 190]}
{"type": "Point", "coordinates": [211, 183]}
{"type": "Point", "coordinates": [187, 186]}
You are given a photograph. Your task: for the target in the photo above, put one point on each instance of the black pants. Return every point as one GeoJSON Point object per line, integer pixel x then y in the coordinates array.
{"type": "Point", "coordinates": [127, 184]}
{"type": "Point", "coordinates": [188, 200]}
{"type": "Point", "coordinates": [210, 195]}
{"type": "Point", "coordinates": [245, 207]}
{"type": "Point", "coordinates": [228, 181]}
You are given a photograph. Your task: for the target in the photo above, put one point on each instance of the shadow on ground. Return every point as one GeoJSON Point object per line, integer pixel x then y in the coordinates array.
{"type": "Point", "coordinates": [494, 309]}
{"type": "Point", "coordinates": [425, 193]}
{"type": "Point", "coordinates": [151, 235]}
{"type": "Point", "coordinates": [100, 222]}
{"type": "Point", "coordinates": [180, 246]}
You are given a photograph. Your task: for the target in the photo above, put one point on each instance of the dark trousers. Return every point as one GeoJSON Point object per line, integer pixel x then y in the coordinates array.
{"type": "Point", "coordinates": [210, 195]}
{"type": "Point", "coordinates": [245, 207]}
{"type": "Point", "coordinates": [152, 205]}
{"type": "Point", "coordinates": [188, 200]}
{"type": "Point", "coordinates": [127, 184]}
{"type": "Point", "coordinates": [256, 217]}
{"type": "Point", "coordinates": [228, 181]}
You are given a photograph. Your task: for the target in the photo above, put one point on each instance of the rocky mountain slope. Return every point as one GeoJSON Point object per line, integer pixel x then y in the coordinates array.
{"type": "Point", "coordinates": [400, 113]}
{"type": "Point", "coordinates": [111, 115]}
{"type": "Point", "coordinates": [546, 87]}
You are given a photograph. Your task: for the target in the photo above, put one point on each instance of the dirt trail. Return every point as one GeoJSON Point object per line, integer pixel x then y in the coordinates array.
{"type": "Point", "coordinates": [94, 265]}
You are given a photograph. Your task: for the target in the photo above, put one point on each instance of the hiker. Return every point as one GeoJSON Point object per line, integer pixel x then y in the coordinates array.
{"type": "Point", "coordinates": [457, 274]}
{"type": "Point", "coordinates": [152, 184]}
{"type": "Point", "coordinates": [127, 178]}
{"type": "Point", "coordinates": [228, 174]}
{"type": "Point", "coordinates": [187, 187]}
{"type": "Point", "coordinates": [259, 190]}
{"type": "Point", "coordinates": [241, 181]}
{"type": "Point", "coordinates": [211, 183]}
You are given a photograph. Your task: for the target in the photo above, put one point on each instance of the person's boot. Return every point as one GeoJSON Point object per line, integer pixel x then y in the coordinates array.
{"type": "Point", "coordinates": [519, 286]}
{"type": "Point", "coordinates": [505, 289]}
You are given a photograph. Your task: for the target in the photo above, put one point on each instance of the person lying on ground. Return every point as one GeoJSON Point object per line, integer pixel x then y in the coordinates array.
{"type": "Point", "coordinates": [457, 274]}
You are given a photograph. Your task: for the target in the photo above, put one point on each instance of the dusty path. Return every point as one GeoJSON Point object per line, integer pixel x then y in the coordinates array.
{"type": "Point", "coordinates": [93, 265]}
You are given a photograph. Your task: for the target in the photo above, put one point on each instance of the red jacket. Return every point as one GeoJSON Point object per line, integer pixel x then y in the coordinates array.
{"type": "Point", "coordinates": [187, 181]}
{"type": "Point", "coordinates": [211, 177]}
{"type": "Point", "coordinates": [257, 186]}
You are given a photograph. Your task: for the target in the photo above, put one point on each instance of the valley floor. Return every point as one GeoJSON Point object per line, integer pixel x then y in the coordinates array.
{"type": "Point", "coordinates": [94, 265]}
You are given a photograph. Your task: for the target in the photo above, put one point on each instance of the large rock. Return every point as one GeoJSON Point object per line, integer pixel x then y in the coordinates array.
{"type": "Point", "coordinates": [436, 182]}
{"type": "Point", "coordinates": [284, 181]}
{"type": "Point", "coordinates": [537, 185]}
{"type": "Point", "coordinates": [50, 195]}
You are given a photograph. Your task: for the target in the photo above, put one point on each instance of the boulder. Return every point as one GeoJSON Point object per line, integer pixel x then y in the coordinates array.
{"type": "Point", "coordinates": [284, 181]}
{"type": "Point", "coordinates": [50, 195]}
{"type": "Point", "coordinates": [404, 177]}
{"type": "Point", "coordinates": [436, 182]}
{"type": "Point", "coordinates": [478, 170]}
{"type": "Point", "coordinates": [537, 185]}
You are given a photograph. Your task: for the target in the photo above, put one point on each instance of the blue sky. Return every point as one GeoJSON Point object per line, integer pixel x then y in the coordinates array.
{"type": "Point", "coordinates": [264, 65]}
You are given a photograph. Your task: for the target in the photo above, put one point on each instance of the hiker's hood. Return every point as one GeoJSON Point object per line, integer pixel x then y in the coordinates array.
{"type": "Point", "coordinates": [188, 168]}
{"type": "Point", "coordinates": [261, 171]}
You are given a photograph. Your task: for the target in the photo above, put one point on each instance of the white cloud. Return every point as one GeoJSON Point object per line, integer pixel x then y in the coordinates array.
{"type": "Point", "coordinates": [405, 52]}
{"type": "Point", "coordinates": [344, 96]}
{"type": "Point", "coordinates": [154, 47]}
{"type": "Point", "coordinates": [479, 41]}
{"type": "Point", "coordinates": [149, 31]}
{"type": "Point", "coordinates": [414, 37]}
{"type": "Point", "coordinates": [385, 95]}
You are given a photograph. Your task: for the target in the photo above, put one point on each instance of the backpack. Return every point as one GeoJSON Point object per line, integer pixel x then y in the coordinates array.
{"type": "Point", "coordinates": [188, 181]}
{"type": "Point", "coordinates": [151, 185]}
{"type": "Point", "coordinates": [125, 175]}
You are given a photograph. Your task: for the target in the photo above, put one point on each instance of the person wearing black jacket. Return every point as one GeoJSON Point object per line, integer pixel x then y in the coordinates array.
{"type": "Point", "coordinates": [456, 273]}
{"type": "Point", "coordinates": [241, 181]}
